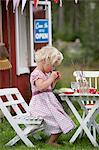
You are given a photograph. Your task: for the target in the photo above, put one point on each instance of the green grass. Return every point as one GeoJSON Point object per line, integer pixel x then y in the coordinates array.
{"type": "Point", "coordinates": [6, 133]}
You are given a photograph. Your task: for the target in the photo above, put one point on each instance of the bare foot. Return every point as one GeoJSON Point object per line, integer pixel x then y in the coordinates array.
{"type": "Point", "coordinates": [54, 144]}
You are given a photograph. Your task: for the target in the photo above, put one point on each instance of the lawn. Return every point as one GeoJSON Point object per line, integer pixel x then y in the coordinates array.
{"type": "Point", "coordinates": [6, 133]}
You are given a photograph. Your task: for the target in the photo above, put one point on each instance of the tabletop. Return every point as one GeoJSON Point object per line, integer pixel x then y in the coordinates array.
{"type": "Point", "coordinates": [79, 94]}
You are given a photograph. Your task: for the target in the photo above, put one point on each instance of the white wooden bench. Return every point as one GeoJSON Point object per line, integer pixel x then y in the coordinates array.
{"type": "Point", "coordinates": [13, 98]}
{"type": "Point", "coordinates": [92, 78]}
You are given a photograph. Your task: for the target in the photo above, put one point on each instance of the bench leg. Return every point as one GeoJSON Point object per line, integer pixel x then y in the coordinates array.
{"type": "Point", "coordinates": [27, 130]}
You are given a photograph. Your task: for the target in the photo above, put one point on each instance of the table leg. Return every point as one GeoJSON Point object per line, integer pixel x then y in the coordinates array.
{"type": "Point", "coordinates": [94, 123]}
{"type": "Point", "coordinates": [82, 123]}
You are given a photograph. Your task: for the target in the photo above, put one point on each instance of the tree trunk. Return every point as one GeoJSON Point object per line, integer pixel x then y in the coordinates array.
{"type": "Point", "coordinates": [61, 19]}
{"type": "Point", "coordinates": [76, 18]}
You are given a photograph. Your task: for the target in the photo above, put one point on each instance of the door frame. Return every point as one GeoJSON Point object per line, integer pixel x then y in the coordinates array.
{"type": "Point", "coordinates": [32, 50]}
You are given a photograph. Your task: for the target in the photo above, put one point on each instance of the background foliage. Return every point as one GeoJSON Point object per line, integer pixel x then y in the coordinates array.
{"type": "Point", "coordinates": [74, 22]}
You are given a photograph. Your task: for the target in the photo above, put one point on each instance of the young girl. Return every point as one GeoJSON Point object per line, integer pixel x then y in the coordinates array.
{"type": "Point", "coordinates": [43, 102]}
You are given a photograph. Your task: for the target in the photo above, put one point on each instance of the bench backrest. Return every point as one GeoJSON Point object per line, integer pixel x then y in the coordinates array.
{"type": "Point", "coordinates": [91, 76]}
{"type": "Point", "coordinates": [12, 97]}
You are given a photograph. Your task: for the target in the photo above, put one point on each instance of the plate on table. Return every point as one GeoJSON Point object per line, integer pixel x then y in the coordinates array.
{"type": "Point", "coordinates": [69, 92]}
{"type": "Point", "coordinates": [66, 90]}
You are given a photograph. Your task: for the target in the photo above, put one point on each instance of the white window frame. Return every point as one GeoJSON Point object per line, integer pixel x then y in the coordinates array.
{"type": "Point", "coordinates": [48, 4]}
{"type": "Point", "coordinates": [19, 69]}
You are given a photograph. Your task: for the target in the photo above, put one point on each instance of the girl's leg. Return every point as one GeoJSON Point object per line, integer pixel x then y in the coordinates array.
{"type": "Point", "coordinates": [53, 138]}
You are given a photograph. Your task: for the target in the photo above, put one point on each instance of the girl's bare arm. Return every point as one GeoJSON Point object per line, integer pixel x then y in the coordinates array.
{"type": "Point", "coordinates": [42, 85]}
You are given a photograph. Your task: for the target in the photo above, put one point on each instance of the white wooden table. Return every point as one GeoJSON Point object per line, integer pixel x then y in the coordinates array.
{"type": "Point", "coordinates": [89, 119]}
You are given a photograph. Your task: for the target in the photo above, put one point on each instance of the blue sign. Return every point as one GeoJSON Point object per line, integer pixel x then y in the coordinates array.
{"type": "Point", "coordinates": [41, 34]}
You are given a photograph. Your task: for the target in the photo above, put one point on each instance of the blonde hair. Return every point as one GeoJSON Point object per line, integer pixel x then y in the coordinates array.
{"type": "Point", "coordinates": [50, 54]}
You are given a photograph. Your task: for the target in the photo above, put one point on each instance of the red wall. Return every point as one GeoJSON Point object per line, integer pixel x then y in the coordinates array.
{"type": "Point", "coordinates": [9, 78]}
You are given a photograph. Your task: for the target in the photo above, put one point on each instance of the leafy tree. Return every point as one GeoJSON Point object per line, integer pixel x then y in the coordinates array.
{"type": "Point", "coordinates": [78, 21]}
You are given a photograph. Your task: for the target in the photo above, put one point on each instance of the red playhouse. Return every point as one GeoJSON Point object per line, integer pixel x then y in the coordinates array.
{"type": "Point", "coordinates": [25, 26]}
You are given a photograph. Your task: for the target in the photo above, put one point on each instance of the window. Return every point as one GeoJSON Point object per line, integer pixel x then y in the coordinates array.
{"type": "Point", "coordinates": [25, 46]}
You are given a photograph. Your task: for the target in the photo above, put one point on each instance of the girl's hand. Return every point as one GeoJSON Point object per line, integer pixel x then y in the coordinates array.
{"type": "Point", "coordinates": [59, 75]}
{"type": "Point", "coordinates": [54, 75]}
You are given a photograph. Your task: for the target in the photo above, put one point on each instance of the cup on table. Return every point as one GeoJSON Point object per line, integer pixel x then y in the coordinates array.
{"type": "Point", "coordinates": [74, 86]}
{"type": "Point", "coordinates": [83, 87]}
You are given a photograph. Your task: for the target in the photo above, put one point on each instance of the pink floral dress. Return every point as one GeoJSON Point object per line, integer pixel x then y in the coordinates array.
{"type": "Point", "coordinates": [46, 106]}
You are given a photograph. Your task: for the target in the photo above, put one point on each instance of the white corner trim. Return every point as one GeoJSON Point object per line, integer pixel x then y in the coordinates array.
{"type": "Point", "coordinates": [50, 23]}
{"type": "Point", "coordinates": [32, 51]}
{"type": "Point", "coordinates": [1, 39]}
